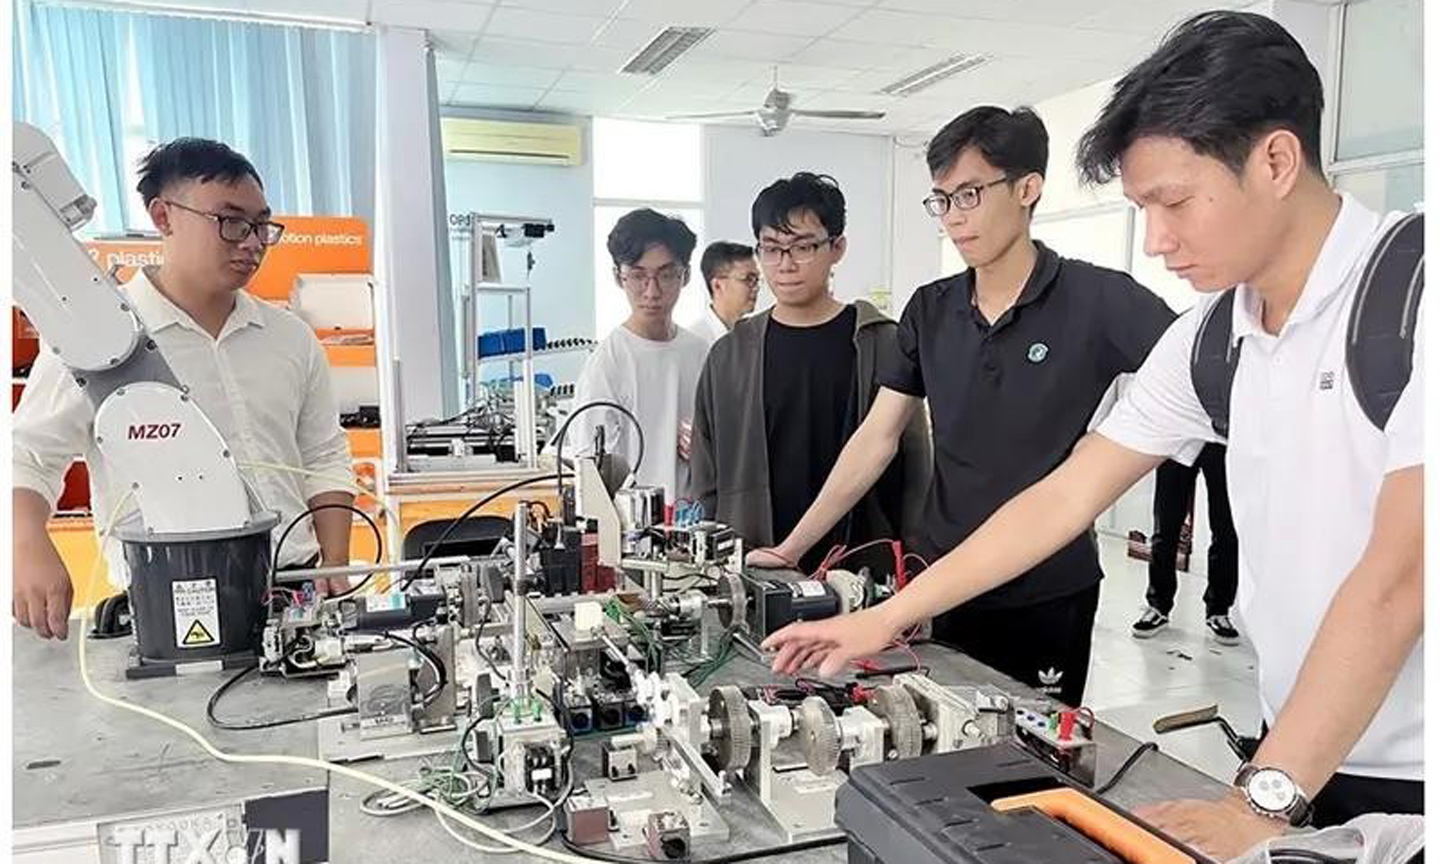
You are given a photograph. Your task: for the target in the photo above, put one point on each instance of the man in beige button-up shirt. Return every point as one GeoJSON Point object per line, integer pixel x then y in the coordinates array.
{"type": "Point", "coordinates": [257, 372]}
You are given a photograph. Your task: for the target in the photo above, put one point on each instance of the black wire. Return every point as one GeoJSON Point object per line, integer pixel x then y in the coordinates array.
{"type": "Point", "coordinates": [253, 725]}
{"type": "Point", "coordinates": [558, 476]}
{"type": "Point", "coordinates": [565, 427]}
{"type": "Point", "coordinates": [433, 659]}
{"type": "Point", "coordinates": [1147, 747]}
{"type": "Point", "coordinates": [284, 535]}
{"type": "Point", "coordinates": [1305, 856]}
{"type": "Point", "coordinates": [731, 858]}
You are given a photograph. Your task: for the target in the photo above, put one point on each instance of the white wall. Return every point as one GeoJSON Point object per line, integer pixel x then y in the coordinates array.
{"type": "Point", "coordinates": [563, 280]}
{"type": "Point", "coordinates": [739, 162]}
{"type": "Point", "coordinates": [916, 239]}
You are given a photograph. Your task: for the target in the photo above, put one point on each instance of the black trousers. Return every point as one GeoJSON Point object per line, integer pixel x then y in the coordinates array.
{"type": "Point", "coordinates": [1174, 497]}
{"type": "Point", "coordinates": [1045, 645]}
{"type": "Point", "coordinates": [1349, 795]}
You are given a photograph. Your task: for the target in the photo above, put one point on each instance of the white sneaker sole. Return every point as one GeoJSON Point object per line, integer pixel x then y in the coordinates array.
{"type": "Point", "coordinates": [1224, 640]}
{"type": "Point", "coordinates": [1148, 634]}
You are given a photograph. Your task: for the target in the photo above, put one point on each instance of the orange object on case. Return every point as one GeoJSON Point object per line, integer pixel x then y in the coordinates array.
{"type": "Point", "coordinates": [1125, 838]}
{"type": "Point", "coordinates": [310, 244]}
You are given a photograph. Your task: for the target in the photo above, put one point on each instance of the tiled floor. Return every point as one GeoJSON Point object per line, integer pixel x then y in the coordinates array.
{"type": "Point", "coordinates": [1134, 681]}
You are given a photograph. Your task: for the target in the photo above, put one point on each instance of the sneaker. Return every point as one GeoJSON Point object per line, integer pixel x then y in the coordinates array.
{"type": "Point", "coordinates": [1221, 628]}
{"type": "Point", "coordinates": [1152, 622]}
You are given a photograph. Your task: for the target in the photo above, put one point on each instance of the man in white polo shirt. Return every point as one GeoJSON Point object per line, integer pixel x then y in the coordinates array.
{"type": "Point", "coordinates": [257, 372]}
{"type": "Point", "coordinates": [1216, 137]}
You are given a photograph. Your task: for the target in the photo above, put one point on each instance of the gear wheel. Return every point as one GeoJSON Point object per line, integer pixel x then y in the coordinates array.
{"type": "Point", "coordinates": [730, 728]}
{"type": "Point", "coordinates": [820, 735]}
{"type": "Point", "coordinates": [732, 588]}
{"type": "Point", "coordinates": [894, 704]}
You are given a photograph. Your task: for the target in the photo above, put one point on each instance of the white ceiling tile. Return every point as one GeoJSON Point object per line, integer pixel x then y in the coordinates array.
{"type": "Point", "coordinates": [573, 102]}
{"type": "Point", "coordinates": [796, 75]}
{"type": "Point", "coordinates": [1151, 18]}
{"type": "Point", "coordinates": [597, 58]}
{"type": "Point", "coordinates": [506, 75]}
{"type": "Point", "coordinates": [852, 54]}
{"type": "Point", "coordinates": [450, 70]}
{"type": "Point", "coordinates": [627, 34]}
{"type": "Point", "coordinates": [454, 45]}
{"type": "Point", "coordinates": [732, 72]}
{"type": "Point", "coordinates": [793, 17]}
{"type": "Point", "coordinates": [696, 89]}
{"type": "Point", "coordinates": [897, 28]}
{"type": "Point", "coordinates": [518, 52]}
{"type": "Point", "coordinates": [597, 8]}
{"type": "Point", "coordinates": [769, 47]}
{"type": "Point", "coordinates": [606, 84]}
{"type": "Point", "coordinates": [1058, 12]}
{"type": "Point", "coordinates": [429, 14]}
{"type": "Point", "coordinates": [486, 96]}
{"type": "Point", "coordinates": [690, 13]}
{"type": "Point", "coordinates": [542, 26]}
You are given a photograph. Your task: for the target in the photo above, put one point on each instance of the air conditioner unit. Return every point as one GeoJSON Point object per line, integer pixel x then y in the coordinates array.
{"type": "Point", "coordinates": [505, 141]}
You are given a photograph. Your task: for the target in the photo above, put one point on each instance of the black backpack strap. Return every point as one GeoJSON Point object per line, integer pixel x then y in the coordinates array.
{"type": "Point", "coordinates": [1380, 339]}
{"type": "Point", "coordinates": [1213, 361]}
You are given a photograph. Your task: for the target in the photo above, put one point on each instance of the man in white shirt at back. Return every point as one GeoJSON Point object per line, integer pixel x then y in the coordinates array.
{"type": "Point", "coordinates": [648, 364]}
{"type": "Point", "coordinates": [1216, 137]}
{"type": "Point", "coordinates": [733, 279]}
{"type": "Point", "coordinates": [257, 371]}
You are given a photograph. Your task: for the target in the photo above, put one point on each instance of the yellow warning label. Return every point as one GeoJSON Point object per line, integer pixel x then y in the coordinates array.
{"type": "Point", "coordinates": [198, 635]}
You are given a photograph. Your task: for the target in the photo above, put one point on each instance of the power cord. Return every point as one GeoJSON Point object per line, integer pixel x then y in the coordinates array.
{"type": "Point", "coordinates": [319, 508]}
{"type": "Point", "coordinates": [1147, 747]}
{"type": "Point", "coordinates": [470, 511]}
{"type": "Point", "coordinates": [256, 725]}
{"type": "Point", "coordinates": [590, 406]}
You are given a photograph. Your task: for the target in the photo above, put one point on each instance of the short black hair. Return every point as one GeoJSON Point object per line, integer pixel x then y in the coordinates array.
{"type": "Point", "coordinates": [1219, 82]}
{"type": "Point", "coordinates": [818, 193]}
{"type": "Point", "coordinates": [722, 254]}
{"type": "Point", "coordinates": [1013, 141]}
{"type": "Point", "coordinates": [640, 229]}
{"type": "Point", "coordinates": [191, 159]}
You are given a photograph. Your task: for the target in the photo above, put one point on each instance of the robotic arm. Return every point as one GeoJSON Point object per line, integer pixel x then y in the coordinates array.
{"type": "Point", "coordinates": [153, 436]}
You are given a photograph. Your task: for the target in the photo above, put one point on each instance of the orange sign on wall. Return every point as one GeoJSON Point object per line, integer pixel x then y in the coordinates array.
{"type": "Point", "coordinates": [311, 244]}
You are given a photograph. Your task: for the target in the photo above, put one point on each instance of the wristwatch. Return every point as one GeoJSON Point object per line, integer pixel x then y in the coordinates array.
{"type": "Point", "coordinates": [1274, 794]}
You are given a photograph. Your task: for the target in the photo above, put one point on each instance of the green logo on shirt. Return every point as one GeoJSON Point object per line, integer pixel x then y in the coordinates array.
{"type": "Point", "coordinates": [1038, 352]}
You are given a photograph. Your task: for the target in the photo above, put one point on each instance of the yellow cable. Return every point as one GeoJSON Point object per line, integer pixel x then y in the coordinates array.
{"type": "Point", "coordinates": [295, 761]}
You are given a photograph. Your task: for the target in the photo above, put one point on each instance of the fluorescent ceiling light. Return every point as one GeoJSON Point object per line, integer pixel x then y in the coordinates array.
{"type": "Point", "coordinates": [665, 49]}
{"type": "Point", "coordinates": [932, 75]}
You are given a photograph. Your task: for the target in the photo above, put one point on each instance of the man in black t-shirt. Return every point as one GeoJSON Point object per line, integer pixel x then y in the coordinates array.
{"type": "Point", "coordinates": [1012, 356]}
{"type": "Point", "coordinates": [782, 392]}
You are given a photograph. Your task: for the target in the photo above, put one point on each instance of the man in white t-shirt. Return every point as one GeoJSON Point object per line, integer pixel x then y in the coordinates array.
{"type": "Point", "coordinates": [647, 364]}
{"type": "Point", "coordinates": [1216, 137]}
{"type": "Point", "coordinates": [733, 279]}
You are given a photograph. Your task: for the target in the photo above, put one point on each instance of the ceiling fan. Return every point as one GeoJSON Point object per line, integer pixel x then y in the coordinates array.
{"type": "Point", "coordinates": [775, 112]}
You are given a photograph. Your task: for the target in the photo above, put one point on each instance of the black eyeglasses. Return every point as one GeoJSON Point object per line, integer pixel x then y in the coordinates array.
{"type": "Point", "coordinates": [802, 252]}
{"type": "Point", "coordinates": [964, 198]}
{"type": "Point", "coordinates": [237, 229]}
{"type": "Point", "coordinates": [667, 278]}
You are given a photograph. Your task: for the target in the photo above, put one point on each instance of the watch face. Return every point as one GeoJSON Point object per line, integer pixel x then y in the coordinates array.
{"type": "Point", "coordinates": [1271, 790]}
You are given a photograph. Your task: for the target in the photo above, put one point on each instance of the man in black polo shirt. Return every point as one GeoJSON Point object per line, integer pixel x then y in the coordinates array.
{"type": "Point", "coordinates": [1013, 355]}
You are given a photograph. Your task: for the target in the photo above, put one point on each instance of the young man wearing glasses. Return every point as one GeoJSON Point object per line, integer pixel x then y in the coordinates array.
{"type": "Point", "coordinates": [782, 392]}
{"type": "Point", "coordinates": [733, 281]}
{"type": "Point", "coordinates": [256, 370]}
{"type": "Point", "coordinates": [1013, 356]}
{"type": "Point", "coordinates": [647, 364]}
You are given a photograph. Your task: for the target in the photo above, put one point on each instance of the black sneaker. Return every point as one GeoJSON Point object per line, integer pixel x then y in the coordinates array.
{"type": "Point", "coordinates": [1223, 631]}
{"type": "Point", "coordinates": [1152, 622]}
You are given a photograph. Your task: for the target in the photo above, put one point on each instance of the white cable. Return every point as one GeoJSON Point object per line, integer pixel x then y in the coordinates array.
{"type": "Point", "coordinates": [550, 807]}
{"type": "Point", "coordinates": [295, 761]}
